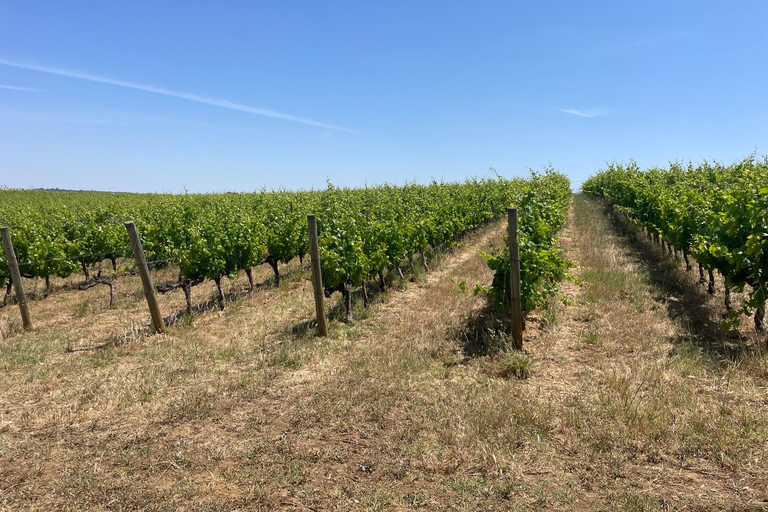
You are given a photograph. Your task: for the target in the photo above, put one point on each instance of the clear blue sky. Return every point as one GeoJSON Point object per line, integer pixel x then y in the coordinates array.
{"type": "Point", "coordinates": [163, 96]}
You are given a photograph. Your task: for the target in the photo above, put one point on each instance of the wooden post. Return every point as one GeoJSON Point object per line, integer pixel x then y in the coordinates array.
{"type": "Point", "coordinates": [13, 265]}
{"type": "Point", "coordinates": [146, 279]}
{"type": "Point", "coordinates": [514, 280]}
{"type": "Point", "coordinates": [317, 277]}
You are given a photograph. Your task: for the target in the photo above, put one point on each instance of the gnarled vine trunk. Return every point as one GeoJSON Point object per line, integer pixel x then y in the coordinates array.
{"type": "Point", "coordinates": [8, 287]}
{"type": "Point", "coordinates": [217, 280]}
{"type": "Point", "coordinates": [276, 270]}
{"type": "Point", "coordinates": [346, 293]}
{"type": "Point", "coordinates": [249, 273]}
{"type": "Point", "coordinates": [187, 287]}
{"type": "Point", "coordinates": [99, 280]}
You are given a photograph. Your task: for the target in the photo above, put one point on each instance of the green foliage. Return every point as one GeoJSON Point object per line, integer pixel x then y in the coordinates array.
{"type": "Point", "coordinates": [341, 227]}
{"type": "Point", "coordinates": [542, 208]}
{"type": "Point", "coordinates": [362, 232]}
{"type": "Point", "coordinates": [285, 223]}
{"type": "Point", "coordinates": [717, 214]}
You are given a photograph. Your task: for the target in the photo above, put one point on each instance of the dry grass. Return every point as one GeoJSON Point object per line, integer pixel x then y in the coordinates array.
{"type": "Point", "coordinates": [623, 408]}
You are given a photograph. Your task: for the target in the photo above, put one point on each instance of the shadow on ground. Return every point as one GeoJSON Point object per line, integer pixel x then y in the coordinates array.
{"type": "Point", "coordinates": [484, 333]}
{"type": "Point", "coordinates": [686, 301]}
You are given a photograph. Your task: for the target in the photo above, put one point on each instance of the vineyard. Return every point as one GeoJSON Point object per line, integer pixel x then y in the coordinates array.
{"type": "Point", "coordinates": [716, 214]}
{"type": "Point", "coordinates": [635, 390]}
{"type": "Point", "coordinates": [364, 234]}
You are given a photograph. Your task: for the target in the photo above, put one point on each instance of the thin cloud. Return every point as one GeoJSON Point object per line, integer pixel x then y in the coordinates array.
{"type": "Point", "coordinates": [583, 113]}
{"type": "Point", "coordinates": [166, 92]}
{"type": "Point", "coordinates": [19, 88]}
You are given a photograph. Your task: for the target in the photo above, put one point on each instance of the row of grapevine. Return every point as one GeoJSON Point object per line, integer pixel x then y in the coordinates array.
{"type": "Point", "coordinates": [542, 210]}
{"type": "Point", "coordinates": [364, 233]}
{"type": "Point", "coordinates": [715, 213]}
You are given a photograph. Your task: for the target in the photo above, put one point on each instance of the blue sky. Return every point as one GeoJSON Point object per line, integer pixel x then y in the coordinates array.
{"type": "Point", "coordinates": [168, 96]}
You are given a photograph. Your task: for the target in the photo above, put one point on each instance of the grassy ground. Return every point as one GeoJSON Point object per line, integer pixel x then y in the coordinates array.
{"type": "Point", "coordinates": [628, 397]}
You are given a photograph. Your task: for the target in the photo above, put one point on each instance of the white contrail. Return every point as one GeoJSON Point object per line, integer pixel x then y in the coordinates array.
{"type": "Point", "coordinates": [583, 113]}
{"type": "Point", "coordinates": [19, 88]}
{"type": "Point", "coordinates": [161, 90]}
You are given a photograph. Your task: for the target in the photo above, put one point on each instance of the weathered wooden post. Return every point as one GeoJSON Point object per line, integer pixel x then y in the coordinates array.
{"type": "Point", "coordinates": [146, 278]}
{"type": "Point", "coordinates": [317, 277]}
{"type": "Point", "coordinates": [13, 265]}
{"type": "Point", "coordinates": [514, 280]}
